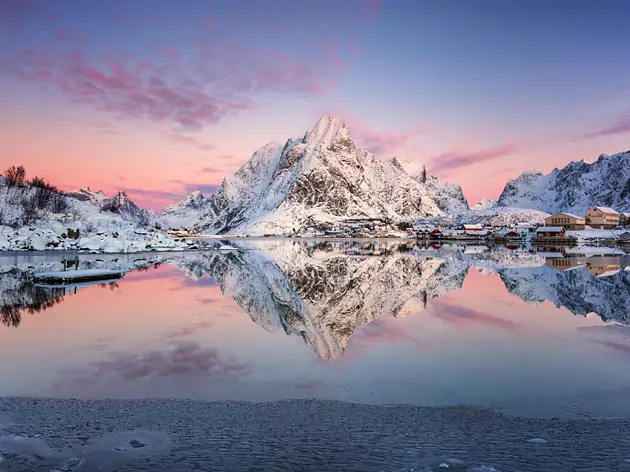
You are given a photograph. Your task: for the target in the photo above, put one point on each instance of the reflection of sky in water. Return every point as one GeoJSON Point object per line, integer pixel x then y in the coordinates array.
{"type": "Point", "coordinates": [162, 333]}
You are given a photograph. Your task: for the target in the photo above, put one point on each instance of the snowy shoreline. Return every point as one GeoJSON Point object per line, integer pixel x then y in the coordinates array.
{"type": "Point", "coordinates": [183, 435]}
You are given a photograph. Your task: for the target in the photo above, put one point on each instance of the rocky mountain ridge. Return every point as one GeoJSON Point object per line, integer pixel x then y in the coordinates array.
{"type": "Point", "coordinates": [322, 176]}
{"type": "Point", "coordinates": [574, 188]}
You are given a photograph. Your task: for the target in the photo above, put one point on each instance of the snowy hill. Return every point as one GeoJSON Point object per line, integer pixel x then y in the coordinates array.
{"type": "Point", "coordinates": [183, 214]}
{"type": "Point", "coordinates": [320, 177]}
{"type": "Point", "coordinates": [37, 219]}
{"type": "Point", "coordinates": [484, 204]}
{"type": "Point", "coordinates": [574, 188]}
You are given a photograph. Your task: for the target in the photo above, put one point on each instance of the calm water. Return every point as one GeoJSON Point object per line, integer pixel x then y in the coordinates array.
{"type": "Point", "coordinates": [381, 323]}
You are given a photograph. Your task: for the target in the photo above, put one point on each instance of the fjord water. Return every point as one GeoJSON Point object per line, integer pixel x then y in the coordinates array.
{"type": "Point", "coordinates": [377, 323]}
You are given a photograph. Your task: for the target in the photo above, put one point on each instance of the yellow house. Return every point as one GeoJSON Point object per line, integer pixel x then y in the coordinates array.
{"type": "Point", "coordinates": [602, 217]}
{"type": "Point", "coordinates": [565, 220]}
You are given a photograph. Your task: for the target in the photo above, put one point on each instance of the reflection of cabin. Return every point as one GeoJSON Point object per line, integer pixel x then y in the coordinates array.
{"type": "Point", "coordinates": [564, 263]}
{"type": "Point", "coordinates": [624, 237]}
{"type": "Point", "coordinates": [624, 219]}
{"type": "Point", "coordinates": [601, 269]}
{"type": "Point", "coordinates": [551, 232]}
{"type": "Point", "coordinates": [602, 217]}
{"type": "Point", "coordinates": [566, 220]}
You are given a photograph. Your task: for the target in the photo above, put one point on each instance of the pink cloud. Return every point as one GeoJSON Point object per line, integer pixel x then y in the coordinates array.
{"type": "Point", "coordinates": [621, 126]}
{"type": "Point", "coordinates": [182, 358]}
{"type": "Point", "coordinates": [464, 316]}
{"type": "Point", "coordinates": [463, 158]}
{"type": "Point", "coordinates": [191, 141]}
{"type": "Point", "coordinates": [385, 142]}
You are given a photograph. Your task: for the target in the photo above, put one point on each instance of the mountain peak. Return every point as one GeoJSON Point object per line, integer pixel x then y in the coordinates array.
{"type": "Point", "coordinates": [403, 163]}
{"type": "Point", "coordinates": [330, 132]}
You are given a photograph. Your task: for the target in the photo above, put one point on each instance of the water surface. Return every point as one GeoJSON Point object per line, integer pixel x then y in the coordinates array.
{"type": "Point", "coordinates": [377, 323]}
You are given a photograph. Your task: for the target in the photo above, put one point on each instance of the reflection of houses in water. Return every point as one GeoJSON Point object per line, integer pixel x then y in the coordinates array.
{"type": "Point", "coordinates": [602, 269]}
{"type": "Point", "coordinates": [564, 263]}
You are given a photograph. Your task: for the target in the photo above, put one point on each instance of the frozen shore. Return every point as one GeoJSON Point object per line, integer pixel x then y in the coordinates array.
{"type": "Point", "coordinates": [296, 435]}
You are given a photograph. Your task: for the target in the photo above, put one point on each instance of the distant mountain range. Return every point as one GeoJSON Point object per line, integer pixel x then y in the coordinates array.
{"type": "Point", "coordinates": [323, 176]}
{"type": "Point", "coordinates": [574, 188]}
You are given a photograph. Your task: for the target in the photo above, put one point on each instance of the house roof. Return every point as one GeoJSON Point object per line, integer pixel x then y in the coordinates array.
{"type": "Point", "coordinates": [605, 209]}
{"type": "Point", "coordinates": [570, 215]}
{"type": "Point", "coordinates": [475, 227]}
{"type": "Point", "coordinates": [550, 229]}
{"type": "Point", "coordinates": [627, 215]}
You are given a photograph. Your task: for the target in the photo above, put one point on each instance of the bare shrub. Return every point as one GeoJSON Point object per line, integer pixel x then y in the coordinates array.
{"type": "Point", "coordinates": [30, 209]}
{"type": "Point", "coordinates": [15, 176]}
{"type": "Point", "coordinates": [43, 197]}
{"type": "Point", "coordinates": [59, 203]}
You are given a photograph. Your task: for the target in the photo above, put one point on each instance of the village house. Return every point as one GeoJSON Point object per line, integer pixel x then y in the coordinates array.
{"type": "Point", "coordinates": [624, 219]}
{"type": "Point", "coordinates": [507, 233]}
{"type": "Point", "coordinates": [602, 217]}
{"type": "Point", "coordinates": [551, 232]}
{"type": "Point", "coordinates": [624, 237]}
{"type": "Point", "coordinates": [566, 220]}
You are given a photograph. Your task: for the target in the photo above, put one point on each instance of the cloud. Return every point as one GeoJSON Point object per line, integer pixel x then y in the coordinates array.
{"type": "Point", "coordinates": [182, 358]}
{"type": "Point", "coordinates": [187, 188]}
{"type": "Point", "coordinates": [385, 142]}
{"type": "Point", "coordinates": [209, 170]}
{"type": "Point", "coordinates": [102, 126]}
{"type": "Point", "coordinates": [464, 158]}
{"type": "Point", "coordinates": [621, 126]}
{"type": "Point", "coordinates": [216, 79]}
{"type": "Point", "coordinates": [190, 141]}
{"type": "Point", "coordinates": [620, 347]}
{"type": "Point", "coordinates": [459, 315]}
{"type": "Point", "coordinates": [156, 194]}
{"type": "Point", "coordinates": [188, 330]}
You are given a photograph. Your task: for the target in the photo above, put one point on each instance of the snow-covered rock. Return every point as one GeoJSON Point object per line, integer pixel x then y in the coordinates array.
{"type": "Point", "coordinates": [320, 177]}
{"type": "Point", "coordinates": [484, 204]}
{"type": "Point", "coordinates": [183, 214]}
{"type": "Point", "coordinates": [83, 225]}
{"type": "Point", "coordinates": [574, 188]}
{"type": "Point", "coordinates": [121, 204]}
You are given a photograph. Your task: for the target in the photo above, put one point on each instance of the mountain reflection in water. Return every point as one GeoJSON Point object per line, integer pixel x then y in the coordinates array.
{"type": "Point", "coordinates": [322, 291]}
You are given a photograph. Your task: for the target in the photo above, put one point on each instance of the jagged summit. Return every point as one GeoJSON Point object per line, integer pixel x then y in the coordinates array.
{"type": "Point", "coordinates": [574, 188]}
{"type": "Point", "coordinates": [403, 163]}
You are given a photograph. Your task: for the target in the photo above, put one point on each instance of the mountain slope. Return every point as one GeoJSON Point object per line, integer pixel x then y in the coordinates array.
{"type": "Point", "coordinates": [321, 177]}
{"type": "Point", "coordinates": [183, 214]}
{"type": "Point", "coordinates": [484, 204]}
{"type": "Point", "coordinates": [574, 188]}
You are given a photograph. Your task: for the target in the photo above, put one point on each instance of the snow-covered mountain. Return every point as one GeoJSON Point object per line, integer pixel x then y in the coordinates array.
{"type": "Point", "coordinates": [320, 177]}
{"type": "Point", "coordinates": [484, 204]}
{"type": "Point", "coordinates": [323, 299]}
{"type": "Point", "coordinates": [576, 289]}
{"type": "Point", "coordinates": [574, 188]}
{"type": "Point", "coordinates": [122, 205]}
{"type": "Point", "coordinates": [85, 194]}
{"type": "Point", "coordinates": [183, 214]}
